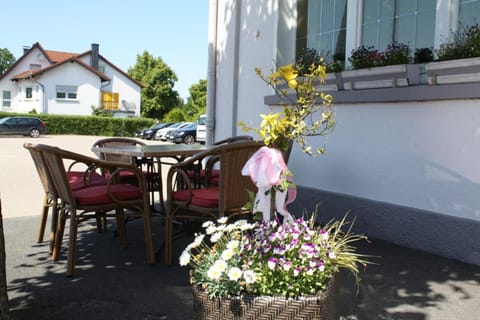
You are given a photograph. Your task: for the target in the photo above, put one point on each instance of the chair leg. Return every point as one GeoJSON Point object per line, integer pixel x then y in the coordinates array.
{"type": "Point", "coordinates": [54, 224]}
{"type": "Point", "coordinates": [168, 239]}
{"type": "Point", "coordinates": [59, 233]}
{"type": "Point", "coordinates": [43, 218]}
{"type": "Point", "coordinates": [147, 224]}
{"type": "Point", "coordinates": [121, 230]}
{"type": "Point", "coordinates": [72, 244]}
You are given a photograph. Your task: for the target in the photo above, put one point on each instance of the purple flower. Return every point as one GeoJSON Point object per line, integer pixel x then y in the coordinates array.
{"type": "Point", "coordinates": [297, 271]}
{"type": "Point", "coordinates": [272, 262]}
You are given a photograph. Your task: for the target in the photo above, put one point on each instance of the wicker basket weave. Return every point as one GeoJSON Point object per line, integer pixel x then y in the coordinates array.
{"type": "Point", "coordinates": [321, 307]}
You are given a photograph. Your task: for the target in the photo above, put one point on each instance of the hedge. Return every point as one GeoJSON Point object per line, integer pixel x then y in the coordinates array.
{"type": "Point", "coordinates": [89, 125]}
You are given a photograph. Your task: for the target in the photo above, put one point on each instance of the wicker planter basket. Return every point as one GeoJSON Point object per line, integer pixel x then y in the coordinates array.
{"type": "Point", "coordinates": [323, 306]}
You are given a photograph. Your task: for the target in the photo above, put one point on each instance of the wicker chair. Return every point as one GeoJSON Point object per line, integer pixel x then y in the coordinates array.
{"type": "Point", "coordinates": [108, 200]}
{"type": "Point", "coordinates": [228, 198]}
{"type": "Point", "coordinates": [76, 179]}
{"type": "Point", "coordinates": [210, 175]}
{"type": "Point", "coordinates": [150, 169]}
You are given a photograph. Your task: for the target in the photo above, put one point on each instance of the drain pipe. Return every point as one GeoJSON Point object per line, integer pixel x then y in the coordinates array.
{"type": "Point", "coordinates": [212, 71]}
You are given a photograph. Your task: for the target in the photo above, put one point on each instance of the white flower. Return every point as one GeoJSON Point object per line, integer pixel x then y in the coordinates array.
{"type": "Point", "coordinates": [214, 273]}
{"type": "Point", "coordinates": [222, 220]}
{"type": "Point", "coordinates": [210, 229]}
{"type": "Point", "coordinates": [198, 240]}
{"type": "Point", "coordinates": [216, 236]}
{"type": "Point", "coordinates": [332, 255]}
{"type": "Point", "coordinates": [234, 273]}
{"type": "Point", "coordinates": [250, 276]}
{"type": "Point", "coordinates": [184, 258]}
{"type": "Point", "coordinates": [207, 224]}
{"type": "Point", "coordinates": [227, 254]}
{"type": "Point", "coordinates": [233, 244]}
{"type": "Point", "coordinates": [220, 265]}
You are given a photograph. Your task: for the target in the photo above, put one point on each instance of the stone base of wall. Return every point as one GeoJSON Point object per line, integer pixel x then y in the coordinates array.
{"type": "Point", "coordinates": [440, 234]}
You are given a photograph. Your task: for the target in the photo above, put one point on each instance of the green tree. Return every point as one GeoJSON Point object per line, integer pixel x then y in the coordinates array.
{"type": "Point", "coordinates": [158, 96]}
{"type": "Point", "coordinates": [6, 60]}
{"type": "Point", "coordinates": [174, 115]}
{"type": "Point", "coordinates": [197, 102]}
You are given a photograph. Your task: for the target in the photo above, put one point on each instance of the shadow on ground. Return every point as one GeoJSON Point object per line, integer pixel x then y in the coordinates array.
{"type": "Point", "coordinates": [112, 283]}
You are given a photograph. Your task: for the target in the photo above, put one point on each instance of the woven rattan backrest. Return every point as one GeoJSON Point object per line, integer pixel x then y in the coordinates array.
{"type": "Point", "coordinates": [108, 142]}
{"type": "Point", "coordinates": [40, 166]}
{"type": "Point", "coordinates": [233, 185]}
{"type": "Point", "coordinates": [56, 169]}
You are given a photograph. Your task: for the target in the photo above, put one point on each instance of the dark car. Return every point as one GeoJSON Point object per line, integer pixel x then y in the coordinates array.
{"type": "Point", "coordinates": [149, 133]}
{"type": "Point", "coordinates": [28, 126]}
{"type": "Point", "coordinates": [186, 134]}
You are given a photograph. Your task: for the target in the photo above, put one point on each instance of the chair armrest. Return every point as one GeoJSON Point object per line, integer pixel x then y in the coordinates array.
{"type": "Point", "coordinates": [114, 167]}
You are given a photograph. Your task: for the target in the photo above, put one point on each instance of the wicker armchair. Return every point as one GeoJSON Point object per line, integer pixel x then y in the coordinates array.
{"type": "Point", "coordinates": [151, 171]}
{"type": "Point", "coordinates": [228, 198]}
{"type": "Point", "coordinates": [109, 200]}
{"type": "Point", "coordinates": [76, 179]}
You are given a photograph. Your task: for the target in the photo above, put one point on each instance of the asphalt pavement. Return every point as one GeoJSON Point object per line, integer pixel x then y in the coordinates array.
{"type": "Point", "coordinates": [116, 283]}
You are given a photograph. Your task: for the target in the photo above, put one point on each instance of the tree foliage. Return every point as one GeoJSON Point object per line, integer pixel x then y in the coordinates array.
{"type": "Point", "coordinates": [197, 102]}
{"type": "Point", "coordinates": [6, 60]}
{"type": "Point", "coordinates": [158, 96]}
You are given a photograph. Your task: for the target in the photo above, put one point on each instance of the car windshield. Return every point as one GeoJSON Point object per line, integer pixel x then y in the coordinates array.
{"type": "Point", "coordinates": [3, 120]}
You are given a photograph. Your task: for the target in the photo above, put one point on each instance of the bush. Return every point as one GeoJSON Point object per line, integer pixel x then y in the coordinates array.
{"type": "Point", "coordinates": [397, 53]}
{"type": "Point", "coordinates": [366, 57]}
{"type": "Point", "coordinates": [423, 55]}
{"type": "Point", "coordinates": [90, 125]}
{"type": "Point", "coordinates": [465, 43]}
{"type": "Point", "coordinates": [311, 56]}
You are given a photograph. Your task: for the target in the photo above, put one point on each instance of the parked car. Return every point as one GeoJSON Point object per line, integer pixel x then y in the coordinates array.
{"type": "Point", "coordinates": [201, 129]}
{"type": "Point", "coordinates": [28, 126]}
{"type": "Point", "coordinates": [149, 133]}
{"type": "Point", "coordinates": [186, 133]}
{"type": "Point", "coordinates": [160, 135]}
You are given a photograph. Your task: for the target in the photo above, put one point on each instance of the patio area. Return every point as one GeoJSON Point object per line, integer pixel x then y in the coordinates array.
{"type": "Point", "coordinates": [112, 283]}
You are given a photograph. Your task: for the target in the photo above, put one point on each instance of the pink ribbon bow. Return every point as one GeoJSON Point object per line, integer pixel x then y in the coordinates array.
{"type": "Point", "coordinates": [267, 168]}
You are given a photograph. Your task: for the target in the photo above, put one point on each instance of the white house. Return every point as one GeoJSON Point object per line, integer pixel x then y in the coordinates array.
{"type": "Point", "coordinates": [404, 158]}
{"type": "Point", "coordinates": [56, 82]}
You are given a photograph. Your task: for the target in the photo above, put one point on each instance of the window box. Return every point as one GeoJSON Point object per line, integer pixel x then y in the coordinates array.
{"type": "Point", "coordinates": [393, 76]}
{"type": "Point", "coordinates": [453, 71]}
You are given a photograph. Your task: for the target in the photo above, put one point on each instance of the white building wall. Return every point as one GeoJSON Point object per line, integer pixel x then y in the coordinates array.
{"type": "Point", "coordinates": [72, 74]}
{"type": "Point", "coordinates": [419, 155]}
{"type": "Point", "coordinates": [128, 90]}
{"type": "Point", "coordinates": [236, 62]}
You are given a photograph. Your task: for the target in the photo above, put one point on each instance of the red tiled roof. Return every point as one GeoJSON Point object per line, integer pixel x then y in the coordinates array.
{"type": "Point", "coordinates": [58, 56]}
{"type": "Point", "coordinates": [31, 73]}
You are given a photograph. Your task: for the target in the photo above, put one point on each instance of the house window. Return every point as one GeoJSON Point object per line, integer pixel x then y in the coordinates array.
{"type": "Point", "coordinates": [110, 100]}
{"type": "Point", "coordinates": [34, 66]}
{"type": "Point", "coordinates": [468, 12]}
{"type": "Point", "coordinates": [6, 99]}
{"type": "Point", "coordinates": [410, 22]}
{"type": "Point", "coordinates": [67, 92]}
{"type": "Point", "coordinates": [323, 27]}
{"type": "Point", "coordinates": [28, 93]}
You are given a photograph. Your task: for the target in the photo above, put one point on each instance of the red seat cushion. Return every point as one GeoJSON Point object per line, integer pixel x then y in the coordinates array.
{"type": "Point", "coordinates": [207, 198]}
{"type": "Point", "coordinates": [98, 194]}
{"type": "Point", "coordinates": [75, 178]}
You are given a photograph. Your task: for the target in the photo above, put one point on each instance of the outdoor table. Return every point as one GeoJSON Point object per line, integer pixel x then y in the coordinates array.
{"type": "Point", "coordinates": [178, 152]}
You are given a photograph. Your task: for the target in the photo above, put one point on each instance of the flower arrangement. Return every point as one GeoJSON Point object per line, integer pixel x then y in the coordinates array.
{"type": "Point", "coordinates": [270, 258]}
{"type": "Point", "coordinates": [298, 88]}
{"type": "Point", "coordinates": [369, 57]}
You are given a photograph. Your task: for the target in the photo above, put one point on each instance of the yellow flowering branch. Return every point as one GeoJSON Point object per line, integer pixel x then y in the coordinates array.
{"type": "Point", "coordinates": [306, 110]}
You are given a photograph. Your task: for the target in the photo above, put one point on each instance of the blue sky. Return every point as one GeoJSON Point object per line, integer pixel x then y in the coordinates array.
{"type": "Point", "coordinates": [176, 31]}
